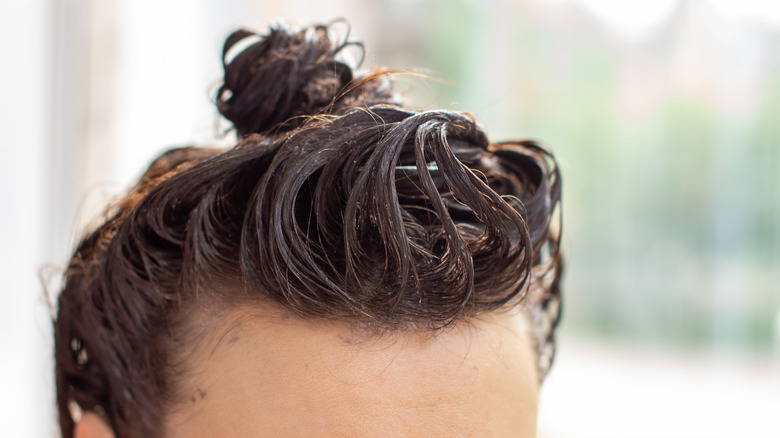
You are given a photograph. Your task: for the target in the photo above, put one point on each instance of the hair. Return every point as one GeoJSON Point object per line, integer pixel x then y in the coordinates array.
{"type": "Point", "coordinates": [336, 203]}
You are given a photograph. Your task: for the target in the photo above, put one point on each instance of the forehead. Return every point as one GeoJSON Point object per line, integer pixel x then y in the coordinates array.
{"type": "Point", "coordinates": [277, 375]}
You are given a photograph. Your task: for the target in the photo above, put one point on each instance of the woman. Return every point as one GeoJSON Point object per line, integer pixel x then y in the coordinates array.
{"type": "Point", "coordinates": [349, 268]}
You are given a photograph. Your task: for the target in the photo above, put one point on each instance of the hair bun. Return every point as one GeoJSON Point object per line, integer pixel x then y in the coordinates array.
{"type": "Point", "coordinates": [284, 74]}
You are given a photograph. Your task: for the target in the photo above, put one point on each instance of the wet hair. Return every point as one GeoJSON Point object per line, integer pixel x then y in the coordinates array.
{"type": "Point", "coordinates": [336, 203]}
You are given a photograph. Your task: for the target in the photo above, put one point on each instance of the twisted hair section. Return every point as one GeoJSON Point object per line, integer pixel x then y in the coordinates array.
{"type": "Point", "coordinates": [280, 79]}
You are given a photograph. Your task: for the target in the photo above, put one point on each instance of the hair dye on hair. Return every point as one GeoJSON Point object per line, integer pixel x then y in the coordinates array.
{"type": "Point", "coordinates": [336, 203]}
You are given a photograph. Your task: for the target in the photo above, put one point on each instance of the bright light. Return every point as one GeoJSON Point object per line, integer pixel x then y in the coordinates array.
{"type": "Point", "coordinates": [753, 10]}
{"type": "Point", "coordinates": [631, 18]}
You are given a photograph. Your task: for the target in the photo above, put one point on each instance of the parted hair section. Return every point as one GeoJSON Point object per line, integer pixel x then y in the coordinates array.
{"type": "Point", "coordinates": [336, 203]}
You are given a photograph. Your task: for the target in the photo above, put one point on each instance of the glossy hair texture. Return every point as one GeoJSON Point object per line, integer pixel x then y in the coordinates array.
{"type": "Point", "coordinates": [335, 203]}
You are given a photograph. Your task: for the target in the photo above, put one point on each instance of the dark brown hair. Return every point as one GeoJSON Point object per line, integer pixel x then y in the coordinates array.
{"type": "Point", "coordinates": [335, 203]}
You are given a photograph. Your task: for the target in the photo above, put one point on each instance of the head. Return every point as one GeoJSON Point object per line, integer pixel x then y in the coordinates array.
{"type": "Point", "coordinates": [350, 267]}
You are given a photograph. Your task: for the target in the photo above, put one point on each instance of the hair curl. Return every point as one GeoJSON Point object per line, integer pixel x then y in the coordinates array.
{"type": "Point", "coordinates": [336, 203]}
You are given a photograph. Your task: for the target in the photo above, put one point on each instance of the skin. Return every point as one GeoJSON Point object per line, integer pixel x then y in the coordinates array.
{"type": "Point", "coordinates": [92, 426]}
{"type": "Point", "coordinates": [270, 374]}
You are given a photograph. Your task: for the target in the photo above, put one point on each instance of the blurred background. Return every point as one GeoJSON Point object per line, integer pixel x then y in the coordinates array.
{"type": "Point", "coordinates": [664, 115]}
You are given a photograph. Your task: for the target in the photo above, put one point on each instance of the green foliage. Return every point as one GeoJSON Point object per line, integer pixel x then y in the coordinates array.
{"type": "Point", "coordinates": [671, 195]}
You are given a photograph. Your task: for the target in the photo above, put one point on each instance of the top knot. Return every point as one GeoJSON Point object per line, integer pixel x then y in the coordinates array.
{"type": "Point", "coordinates": [283, 75]}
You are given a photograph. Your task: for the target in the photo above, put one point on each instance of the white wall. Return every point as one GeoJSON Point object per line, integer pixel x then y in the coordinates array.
{"type": "Point", "coordinates": [25, 377]}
